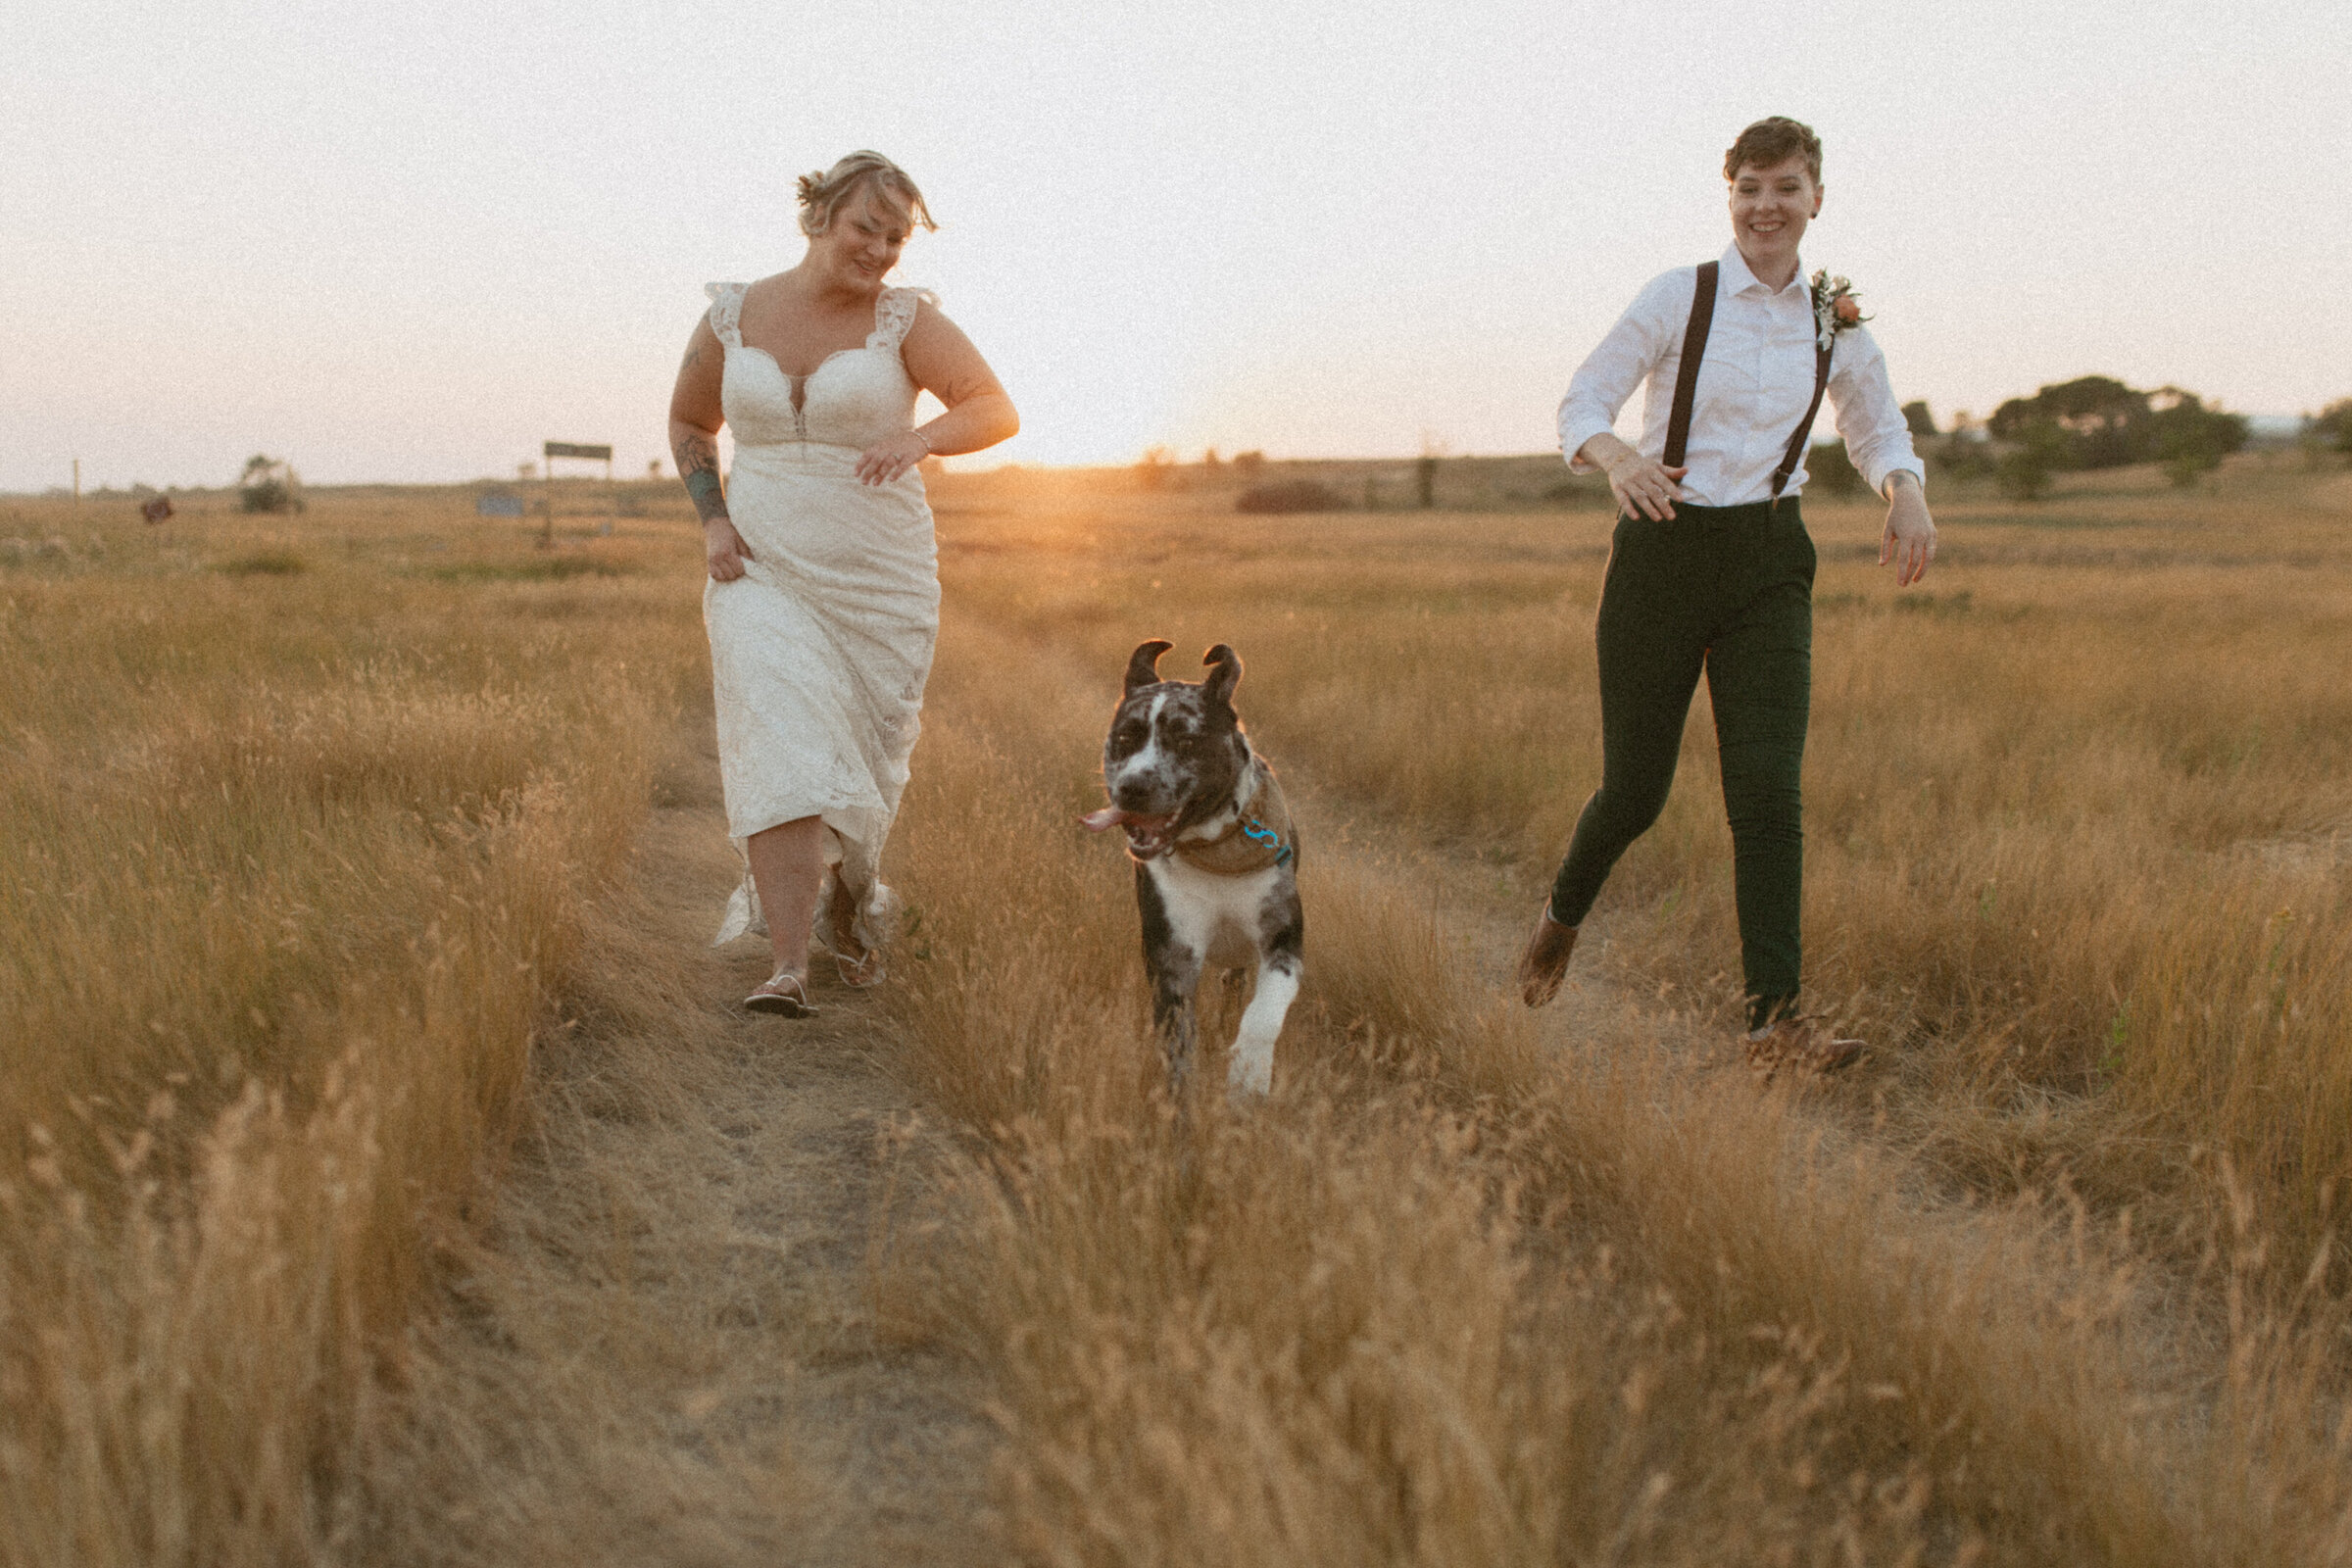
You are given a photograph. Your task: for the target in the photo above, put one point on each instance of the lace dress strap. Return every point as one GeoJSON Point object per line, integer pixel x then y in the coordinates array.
{"type": "Point", "coordinates": [726, 312]}
{"type": "Point", "coordinates": [894, 313]}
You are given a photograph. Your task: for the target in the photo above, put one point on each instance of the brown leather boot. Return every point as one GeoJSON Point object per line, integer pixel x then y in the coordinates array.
{"type": "Point", "coordinates": [1545, 960]}
{"type": "Point", "coordinates": [1801, 1045]}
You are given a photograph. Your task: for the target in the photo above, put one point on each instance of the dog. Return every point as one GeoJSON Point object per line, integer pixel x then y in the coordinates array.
{"type": "Point", "coordinates": [1216, 855]}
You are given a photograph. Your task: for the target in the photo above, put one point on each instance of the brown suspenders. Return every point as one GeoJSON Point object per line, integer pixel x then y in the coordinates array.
{"type": "Point", "coordinates": [1694, 349]}
{"type": "Point", "coordinates": [1686, 383]}
{"type": "Point", "coordinates": [1796, 442]}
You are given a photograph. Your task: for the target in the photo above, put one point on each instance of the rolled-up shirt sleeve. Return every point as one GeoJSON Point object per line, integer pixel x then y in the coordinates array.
{"type": "Point", "coordinates": [1876, 438]}
{"type": "Point", "coordinates": [1621, 362]}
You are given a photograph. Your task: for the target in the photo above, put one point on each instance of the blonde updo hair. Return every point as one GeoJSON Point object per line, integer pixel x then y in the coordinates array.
{"type": "Point", "coordinates": [821, 194]}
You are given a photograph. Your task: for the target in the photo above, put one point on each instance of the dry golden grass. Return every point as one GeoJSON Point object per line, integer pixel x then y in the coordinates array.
{"type": "Point", "coordinates": [2079, 812]}
{"type": "Point", "coordinates": [1455, 1295]}
{"type": "Point", "coordinates": [316, 855]}
{"type": "Point", "coordinates": [301, 820]}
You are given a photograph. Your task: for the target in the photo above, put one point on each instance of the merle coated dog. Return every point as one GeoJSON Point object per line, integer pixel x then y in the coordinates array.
{"type": "Point", "coordinates": [1216, 854]}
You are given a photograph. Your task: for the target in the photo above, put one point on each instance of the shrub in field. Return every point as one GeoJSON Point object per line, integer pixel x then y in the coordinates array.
{"type": "Point", "coordinates": [1288, 495]}
{"type": "Point", "coordinates": [268, 484]}
{"type": "Point", "coordinates": [2187, 460]}
{"type": "Point", "coordinates": [1959, 456]}
{"type": "Point", "coordinates": [2022, 474]}
{"type": "Point", "coordinates": [1828, 467]}
{"type": "Point", "coordinates": [2333, 424]}
{"type": "Point", "coordinates": [264, 564]}
{"type": "Point", "coordinates": [2024, 471]}
{"type": "Point", "coordinates": [2190, 439]}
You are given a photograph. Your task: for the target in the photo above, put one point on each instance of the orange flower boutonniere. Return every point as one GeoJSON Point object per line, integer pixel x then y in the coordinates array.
{"type": "Point", "coordinates": [1836, 307]}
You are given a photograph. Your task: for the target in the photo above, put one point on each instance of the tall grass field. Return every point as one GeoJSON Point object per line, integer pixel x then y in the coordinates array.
{"type": "Point", "coordinates": [311, 824]}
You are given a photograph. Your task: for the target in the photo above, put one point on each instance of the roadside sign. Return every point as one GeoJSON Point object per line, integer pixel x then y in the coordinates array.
{"type": "Point", "coordinates": [594, 453]}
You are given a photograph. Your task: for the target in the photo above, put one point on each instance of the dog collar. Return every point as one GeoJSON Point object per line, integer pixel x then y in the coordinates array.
{"type": "Point", "coordinates": [1260, 837]}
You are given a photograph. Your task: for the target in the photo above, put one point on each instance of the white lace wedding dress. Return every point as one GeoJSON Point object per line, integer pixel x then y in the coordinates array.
{"type": "Point", "coordinates": [819, 650]}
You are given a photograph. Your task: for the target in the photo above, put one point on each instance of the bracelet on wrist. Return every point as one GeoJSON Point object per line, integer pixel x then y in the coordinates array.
{"type": "Point", "coordinates": [928, 450]}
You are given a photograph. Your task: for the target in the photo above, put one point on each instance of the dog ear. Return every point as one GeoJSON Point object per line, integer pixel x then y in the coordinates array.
{"type": "Point", "coordinates": [1143, 666]}
{"type": "Point", "coordinates": [1225, 673]}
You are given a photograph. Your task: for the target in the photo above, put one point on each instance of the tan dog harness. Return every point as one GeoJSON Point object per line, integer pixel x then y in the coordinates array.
{"type": "Point", "coordinates": [1263, 835]}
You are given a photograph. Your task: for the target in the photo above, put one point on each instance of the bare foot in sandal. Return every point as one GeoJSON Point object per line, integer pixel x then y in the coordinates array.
{"type": "Point", "coordinates": [784, 995]}
{"type": "Point", "coordinates": [860, 966]}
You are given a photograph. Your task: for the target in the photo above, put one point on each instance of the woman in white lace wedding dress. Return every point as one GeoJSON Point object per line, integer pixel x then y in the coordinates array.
{"type": "Point", "coordinates": [823, 603]}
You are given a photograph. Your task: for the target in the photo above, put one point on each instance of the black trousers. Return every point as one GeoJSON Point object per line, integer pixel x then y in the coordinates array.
{"type": "Point", "coordinates": [1728, 591]}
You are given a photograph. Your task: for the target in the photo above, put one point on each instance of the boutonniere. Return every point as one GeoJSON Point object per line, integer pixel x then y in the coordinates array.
{"type": "Point", "coordinates": [1836, 307]}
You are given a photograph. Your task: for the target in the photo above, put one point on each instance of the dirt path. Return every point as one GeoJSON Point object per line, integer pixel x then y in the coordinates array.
{"type": "Point", "coordinates": [675, 1344]}
{"type": "Point", "coordinates": [679, 1340]}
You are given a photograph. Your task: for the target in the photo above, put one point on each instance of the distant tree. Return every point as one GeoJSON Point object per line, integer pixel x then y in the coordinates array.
{"type": "Point", "coordinates": [2095, 421]}
{"type": "Point", "coordinates": [1921, 421]}
{"type": "Point", "coordinates": [2104, 423]}
{"type": "Point", "coordinates": [2187, 460]}
{"type": "Point", "coordinates": [2024, 471]}
{"type": "Point", "coordinates": [2334, 424]}
{"type": "Point", "coordinates": [1153, 471]}
{"type": "Point", "coordinates": [2191, 439]}
{"type": "Point", "coordinates": [1961, 452]}
{"type": "Point", "coordinates": [1249, 462]}
{"type": "Point", "coordinates": [268, 484]}
{"type": "Point", "coordinates": [1209, 459]}
{"type": "Point", "coordinates": [1828, 465]}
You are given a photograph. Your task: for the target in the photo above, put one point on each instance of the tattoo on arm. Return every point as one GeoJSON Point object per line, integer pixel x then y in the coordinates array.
{"type": "Point", "coordinates": [698, 465]}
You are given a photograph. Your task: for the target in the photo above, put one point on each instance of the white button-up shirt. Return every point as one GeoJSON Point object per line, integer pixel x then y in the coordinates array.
{"type": "Point", "coordinates": [1755, 384]}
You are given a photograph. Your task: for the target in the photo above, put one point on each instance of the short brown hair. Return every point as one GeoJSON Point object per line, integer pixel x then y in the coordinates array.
{"type": "Point", "coordinates": [821, 195]}
{"type": "Point", "coordinates": [1770, 140]}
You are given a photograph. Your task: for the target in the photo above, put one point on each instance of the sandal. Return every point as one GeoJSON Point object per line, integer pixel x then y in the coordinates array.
{"type": "Point", "coordinates": [783, 994]}
{"type": "Point", "coordinates": [860, 966]}
{"type": "Point", "coordinates": [861, 972]}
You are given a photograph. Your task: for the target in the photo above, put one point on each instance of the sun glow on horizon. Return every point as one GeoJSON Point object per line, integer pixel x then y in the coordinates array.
{"type": "Point", "coordinates": [1245, 231]}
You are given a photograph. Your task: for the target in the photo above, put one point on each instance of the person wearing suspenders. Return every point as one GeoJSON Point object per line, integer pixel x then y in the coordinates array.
{"type": "Point", "coordinates": [1712, 569]}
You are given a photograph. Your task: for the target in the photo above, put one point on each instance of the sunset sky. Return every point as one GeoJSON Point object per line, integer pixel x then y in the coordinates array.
{"type": "Point", "coordinates": [411, 241]}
